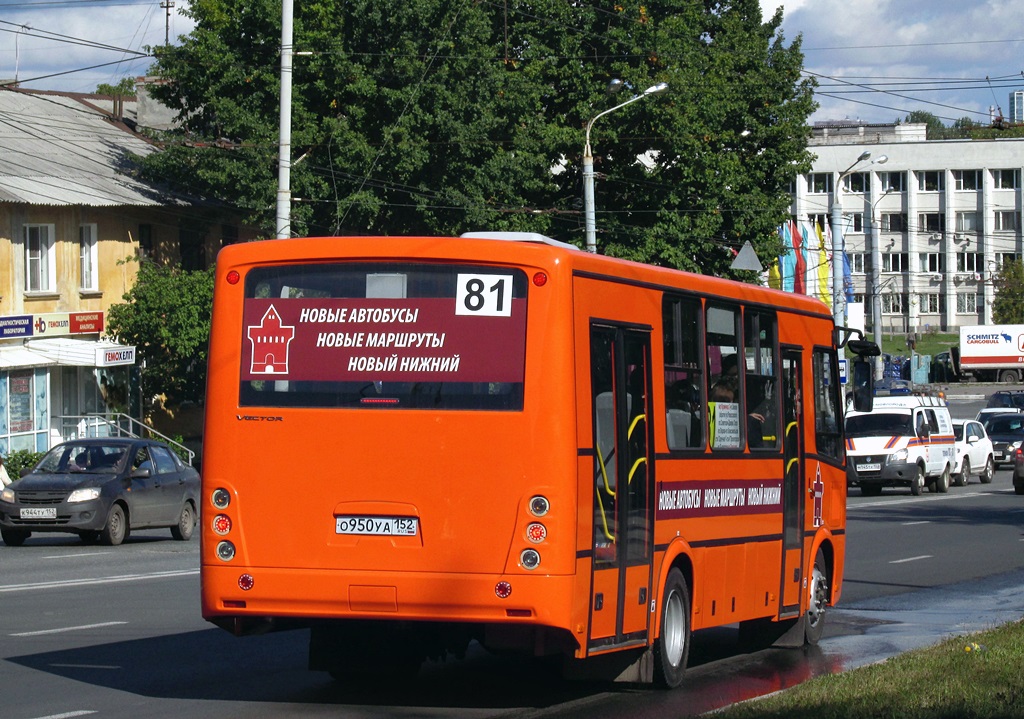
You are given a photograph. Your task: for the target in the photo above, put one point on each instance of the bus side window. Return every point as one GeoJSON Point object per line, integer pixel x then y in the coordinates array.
{"type": "Point", "coordinates": [683, 377]}
{"type": "Point", "coordinates": [826, 404]}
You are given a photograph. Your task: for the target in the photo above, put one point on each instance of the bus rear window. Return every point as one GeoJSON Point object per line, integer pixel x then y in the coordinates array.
{"type": "Point", "coordinates": [384, 336]}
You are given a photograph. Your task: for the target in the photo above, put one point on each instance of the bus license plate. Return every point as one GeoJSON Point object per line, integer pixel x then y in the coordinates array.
{"type": "Point", "coordinates": [38, 513]}
{"type": "Point", "coordinates": [380, 526]}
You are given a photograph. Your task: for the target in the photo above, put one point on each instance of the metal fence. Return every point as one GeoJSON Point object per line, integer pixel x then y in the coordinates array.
{"type": "Point", "coordinates": [115, 424]}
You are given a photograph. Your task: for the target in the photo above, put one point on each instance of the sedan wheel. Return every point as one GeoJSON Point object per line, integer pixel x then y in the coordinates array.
{"type": "Point", "coordinates": [116, 528]}
{"type": "Point", "coordinates": [182, 531]}
{"type": "Point", "coordinates": [14, 537]}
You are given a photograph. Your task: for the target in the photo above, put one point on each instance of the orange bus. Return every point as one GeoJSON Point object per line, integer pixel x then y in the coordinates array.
{"type": "Point", "coordinates": [412, 443]}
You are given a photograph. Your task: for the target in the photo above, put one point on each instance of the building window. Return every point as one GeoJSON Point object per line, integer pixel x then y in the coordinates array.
{"type": "Point", "coordinates": [892, 181]}
{"type": "Point", "coordinates": [822, 221]}
{"type": "Point", "coordinates": [856, 262]}
{"type": "Point", "coordinates": [966, 302]}
{"type": "Point", "coordinates": [40, 269]}
{"type": "Point", "coordinates": [857, 182]}
{"type": "Point", "coordinates": [894, 221]}
{"type": "Point", "coordinates": [931, 181]}
{"type": "Point", "coordinates": [1006, 220]}
{"type": "Point", "coordinates": [968, 261]}
{"type": "Point", "coordinates": [87, 257]}
{"type": "Point", "coordinates": [933, 262]}
{"type": "Point", "coordinates": [931, 303]}
{"type": "Point", "coordinates": [819, 183]}
{"type": "Point", "coordinates": [894, 262]}
{"type": "Point", "coordinates": [1006, 179]}
{"type": "Point", "coordinates": [1003, 257]}
{"type": "Point", "coordinates": [892, 304]}
{"type": "Point", "coordinates": [967, 222]}
{"type": "Point", "coordinates": [967, 179]}
{"type": "Point", "coordinates": [931, 222]}
{"type": "Point", "coordinates": [858, 298]}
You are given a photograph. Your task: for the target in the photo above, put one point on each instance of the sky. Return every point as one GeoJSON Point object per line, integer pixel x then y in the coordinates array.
{"type": "Point", "coordinates": [874, 60]}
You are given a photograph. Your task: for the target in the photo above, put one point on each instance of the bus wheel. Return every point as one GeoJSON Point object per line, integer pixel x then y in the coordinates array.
{"type": "Point", "coordinates": [673, 643]}
{"type": "Point", "coordinates": [917, 483]}
{"type": "Point", "coordinates": [814, 622]}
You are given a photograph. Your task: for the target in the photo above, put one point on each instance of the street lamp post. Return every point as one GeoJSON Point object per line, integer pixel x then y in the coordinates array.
{"type": "Point", "coordinates": [589, 212]}
{"type": "Point", "coordinates": [838, 247]}
{"type": "Point", "coordinates": [876, 278]}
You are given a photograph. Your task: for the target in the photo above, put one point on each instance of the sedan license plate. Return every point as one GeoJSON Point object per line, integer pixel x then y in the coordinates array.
{"type": "Point", "coordinates": [377, 526]}
{"type": "Point", "coordinates": [38, 513]}
{"type": "Point", "coordinates": [868, 467]}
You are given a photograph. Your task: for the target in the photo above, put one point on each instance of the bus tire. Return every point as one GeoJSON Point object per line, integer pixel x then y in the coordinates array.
{"type": "Point", "coordinates": [672, 646]}
{"type": "Point", "coordinates": [917, 482]}
{"type": "Point", "coordinates": [814, 621]}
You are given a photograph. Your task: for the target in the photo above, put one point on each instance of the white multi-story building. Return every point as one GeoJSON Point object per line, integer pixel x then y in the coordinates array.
{"type": "Point", "coordinates": [940, 216]}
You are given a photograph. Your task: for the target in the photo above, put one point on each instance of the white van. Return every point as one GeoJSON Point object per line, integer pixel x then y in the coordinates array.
{"type": "Point", "coordinates": [903, 441]}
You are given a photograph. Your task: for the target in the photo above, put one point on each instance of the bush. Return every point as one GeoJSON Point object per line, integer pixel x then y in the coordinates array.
{"type": "Point", "coordinates": [16, 461]}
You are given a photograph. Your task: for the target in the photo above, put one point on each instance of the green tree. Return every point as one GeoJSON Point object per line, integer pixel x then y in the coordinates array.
{"type": "Point", "coordinates": [1008, 305]}
{"type": "Point", "coordinates": [166, 315]}
{"type": "Point", "coordinates": [933, 122]}
{"type": "Point", "coordinates": [125, 88]}
{"type": "Point", "coordinates": [478, 123]}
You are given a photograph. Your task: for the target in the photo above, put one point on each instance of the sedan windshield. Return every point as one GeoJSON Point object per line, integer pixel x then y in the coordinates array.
{"type": "Point", "coordinates": [1005, 425]}
{"type": "Point", "coordinates": [868, 425]}
{"type": "Point", "coordinates": [73, 457]}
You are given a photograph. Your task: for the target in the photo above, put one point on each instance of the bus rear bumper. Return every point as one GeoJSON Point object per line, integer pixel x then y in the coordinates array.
{"type": "Point", "coordinates": [291, 594]}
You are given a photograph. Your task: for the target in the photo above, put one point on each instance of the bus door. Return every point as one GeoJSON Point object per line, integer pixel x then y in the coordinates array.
{"type": "Point", "coordinates": [792, 484]}
{"type": "Point", "coordinates": [623, 479]}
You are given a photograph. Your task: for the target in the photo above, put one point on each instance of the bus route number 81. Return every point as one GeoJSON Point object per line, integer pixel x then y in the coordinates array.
{"type": "Point", "coordinates": [484, 295]}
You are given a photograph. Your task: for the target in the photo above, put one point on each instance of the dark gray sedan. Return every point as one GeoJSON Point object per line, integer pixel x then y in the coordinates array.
{"type": "Point", "coordinates": [101, 489]}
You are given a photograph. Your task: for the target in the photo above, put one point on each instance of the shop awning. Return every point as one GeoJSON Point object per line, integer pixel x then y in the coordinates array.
{"type": "Point", "coordinates": [18, 357]}
{"type": "Point", "coordinates": [82, 353]}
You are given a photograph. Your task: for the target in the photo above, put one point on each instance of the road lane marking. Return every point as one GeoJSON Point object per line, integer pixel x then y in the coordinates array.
{"type": "Point", "coordinates": [920, 521]}
{"type": "Point", "coordinates": [911, 559]}
{"type": "Point", "coordinates": [96, 580]}
{"type": "Point", "coordinates": [917, 500]}
{"type": "Point", "coordinates": [69, 715]}
{"type": "Point", "coordinates": [67, 629]}
{"type": "Point", "coordinates": [75, 556]}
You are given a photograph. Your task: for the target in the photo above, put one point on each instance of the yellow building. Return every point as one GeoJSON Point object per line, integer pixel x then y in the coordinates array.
{"type": "Point", "coordinates": [74, 222]}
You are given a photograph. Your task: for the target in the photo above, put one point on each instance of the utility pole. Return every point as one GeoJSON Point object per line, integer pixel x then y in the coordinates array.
{"type": "Point", "coordinates": [284, 161]}
{"type": "Point", "coordinates": [167, 5]}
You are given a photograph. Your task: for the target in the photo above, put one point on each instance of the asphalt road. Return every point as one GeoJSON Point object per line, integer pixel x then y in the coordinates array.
{"type": "Point", "coordinates": [116, 633]}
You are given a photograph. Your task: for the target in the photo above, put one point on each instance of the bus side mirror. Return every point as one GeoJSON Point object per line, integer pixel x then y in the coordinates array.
{"type": "Point", "coordinates": [863, 384]}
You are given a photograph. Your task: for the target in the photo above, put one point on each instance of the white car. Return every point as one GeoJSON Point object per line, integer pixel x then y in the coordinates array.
{"type": "Point", "coordinates": [973, 452]}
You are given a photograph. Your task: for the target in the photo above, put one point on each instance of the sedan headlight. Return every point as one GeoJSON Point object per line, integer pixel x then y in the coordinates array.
{"type": "Point", "coordinates": [900, 455]}
{"type": "Point", "coordinates": [1013, 446]}
{"type": "Point", "coordinates": [7, 495]}
{"type": "Point", "coordinates": [84, 495]}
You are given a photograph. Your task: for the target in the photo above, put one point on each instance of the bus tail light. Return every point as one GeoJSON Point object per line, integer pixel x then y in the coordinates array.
{"type": "Point", "coordinates": [222, 524]}
{"type": "Point", "coordinates": [530, 558]}
{"type": "Point", "coordinates": [226, 551]}
{"type": "Point", "coordinates": [539, 505]}
{"type": "Point", "coordinates": [503, 590]}
{"type": "Point", "coordinates": [220, 498]}
{"type": "Point", "coordinates": [536, 532]}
